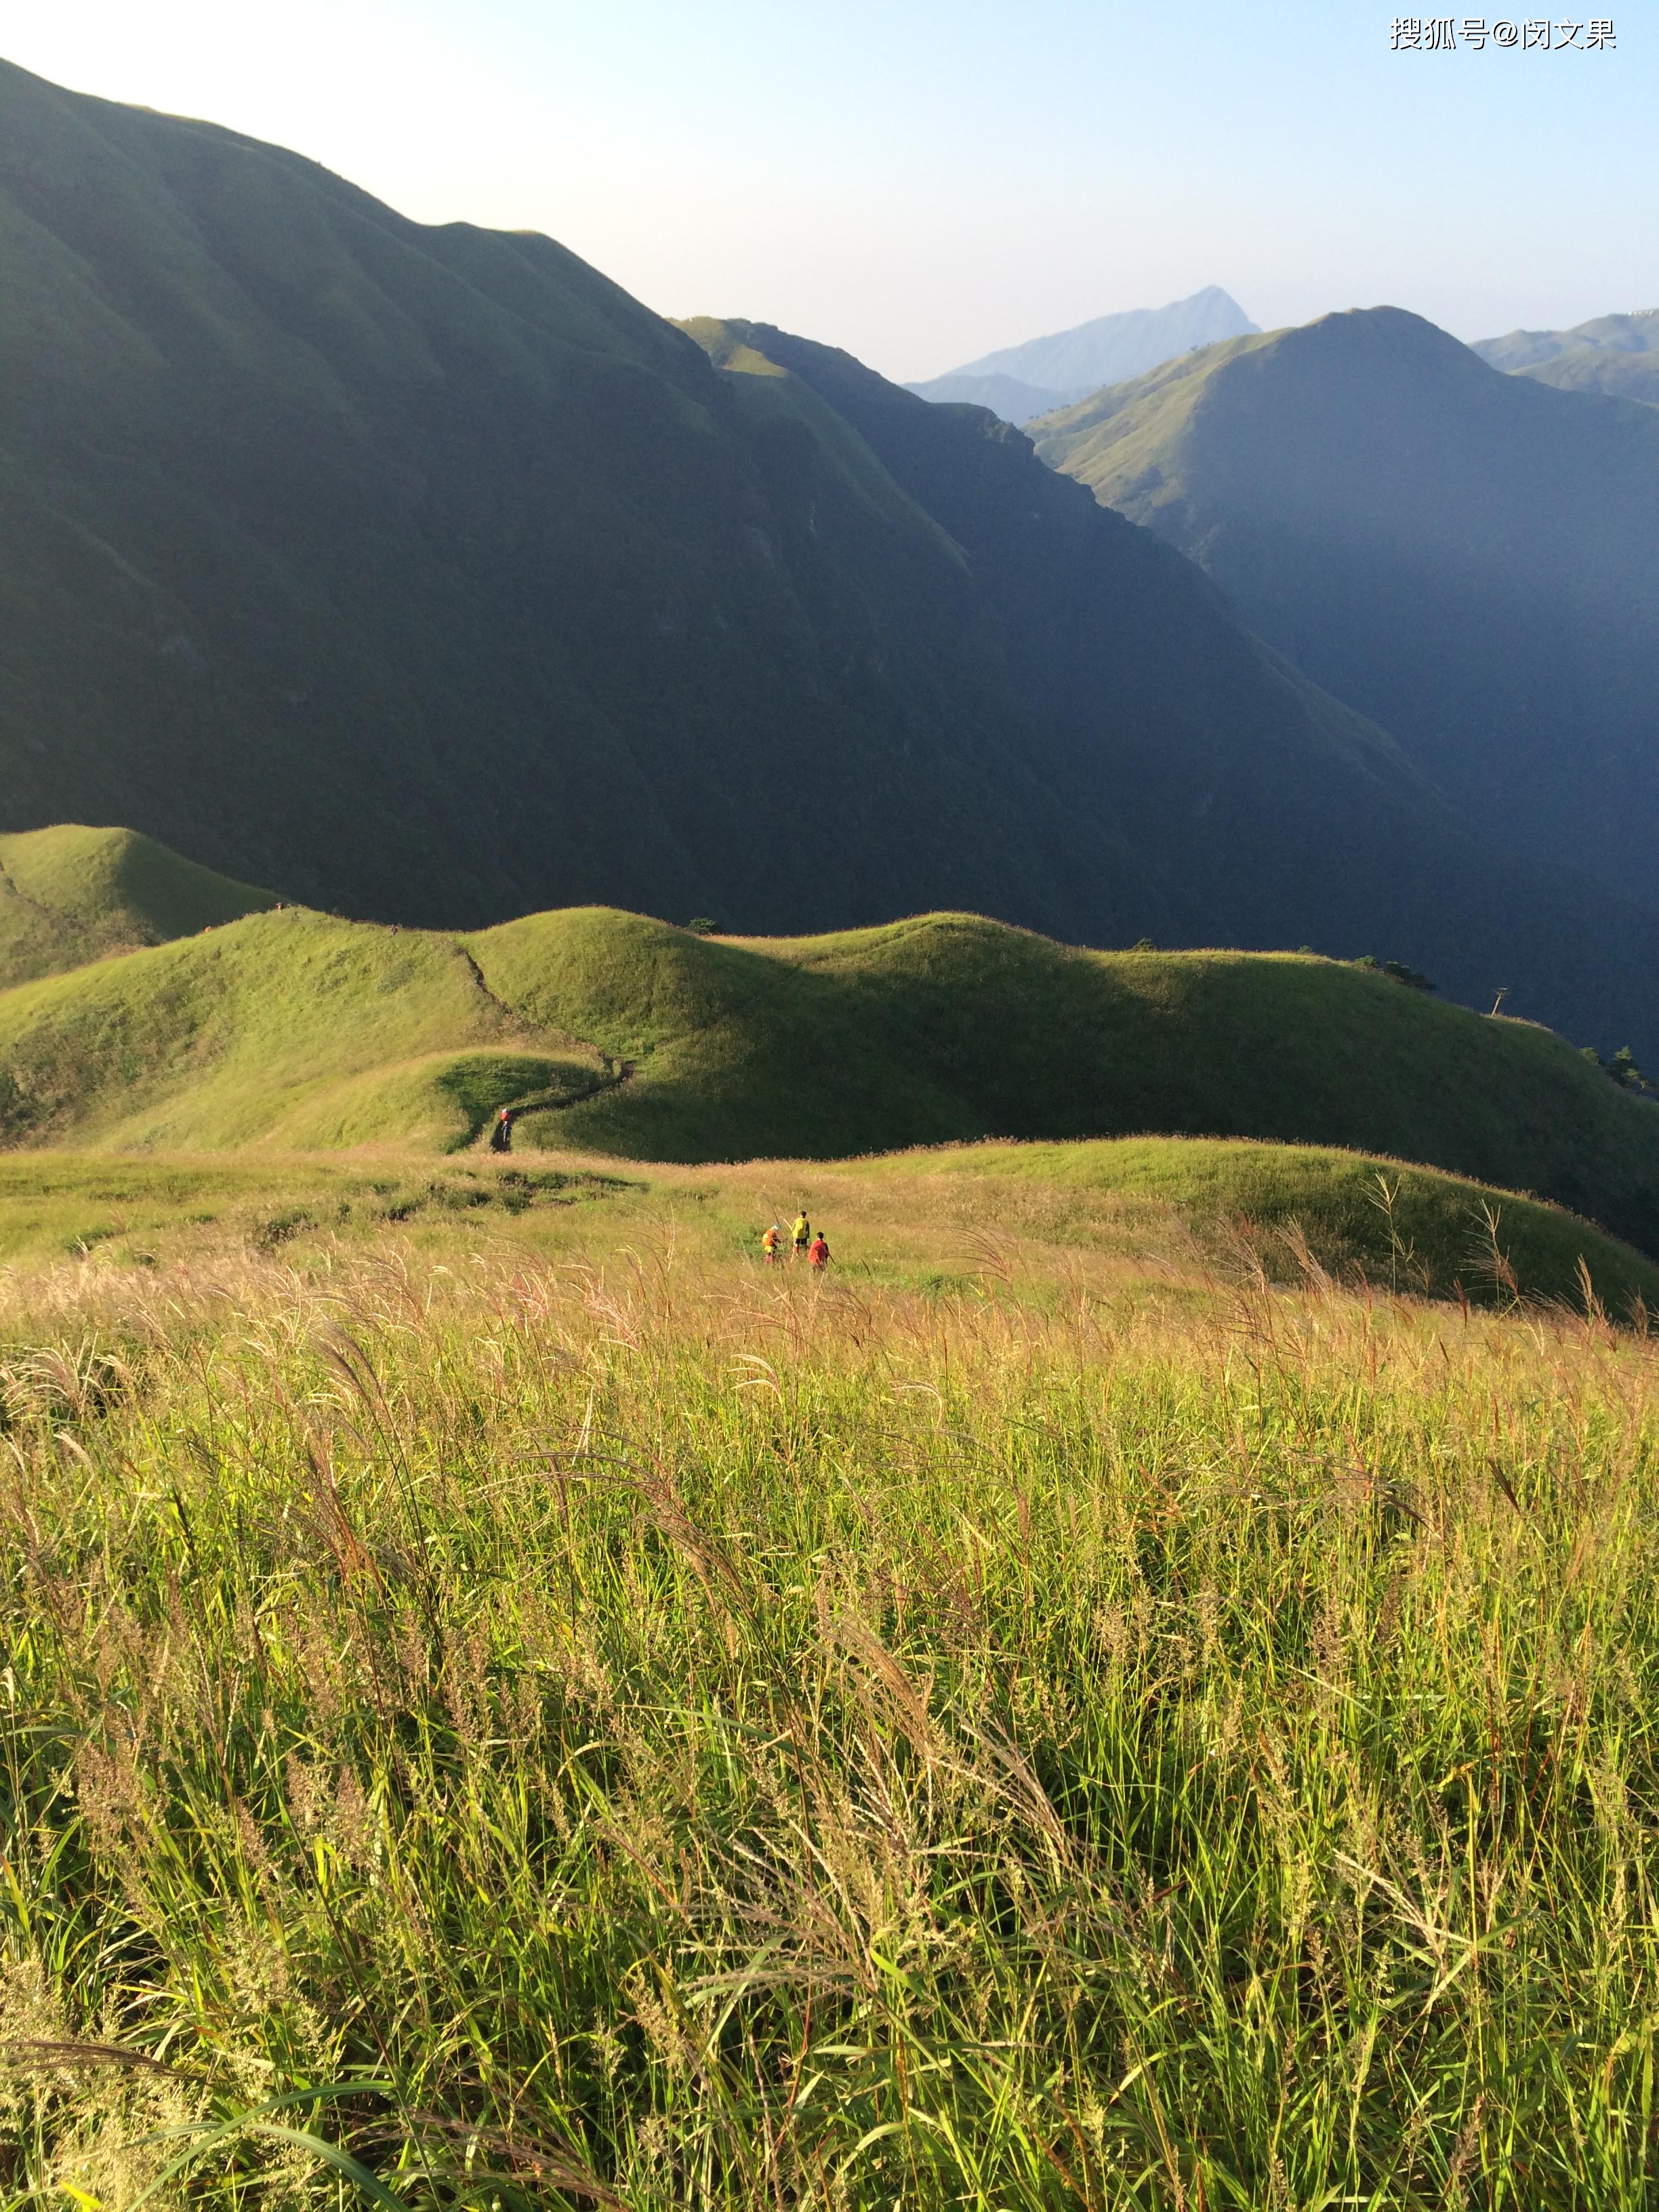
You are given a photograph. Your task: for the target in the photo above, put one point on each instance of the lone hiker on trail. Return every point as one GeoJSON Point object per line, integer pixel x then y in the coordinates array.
{"type": "Point", "coordinates": [803, 1233]}
{"type": "Point", "coordinates": [769, 1243]}
{"type": "Point", "coordinates": [500, 1137]}
{"type": "Point", "coordinates": [818, 1251]}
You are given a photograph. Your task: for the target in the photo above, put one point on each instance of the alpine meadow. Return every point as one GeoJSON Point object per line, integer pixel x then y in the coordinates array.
{"type": "Point", "coordinates": [829, 1228]}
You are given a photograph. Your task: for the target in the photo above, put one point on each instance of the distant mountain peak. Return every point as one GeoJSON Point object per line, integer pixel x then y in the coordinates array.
{"type": "Point", "coordinates": [1069, 365]}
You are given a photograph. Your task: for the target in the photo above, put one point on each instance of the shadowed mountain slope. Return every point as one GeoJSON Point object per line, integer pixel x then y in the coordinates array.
{"type": "Point", "coordinates": [1276, 815]}
{"type": "Point", "coordinates": [1467, 557]}
{"type": "Point", "coordinates": [617, 1033]}
{"type": "Point", "coordinates": [69, 894]}
{"type": "Point", "coordinates": [424, 572]}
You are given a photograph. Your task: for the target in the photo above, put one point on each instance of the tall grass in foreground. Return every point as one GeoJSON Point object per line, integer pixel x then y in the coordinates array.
{"type": "Point", "coordinates": [506, 1738]}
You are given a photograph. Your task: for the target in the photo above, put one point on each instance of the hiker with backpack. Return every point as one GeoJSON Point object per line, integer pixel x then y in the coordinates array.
{"type": "Point", "coordinates": [818, 1252]}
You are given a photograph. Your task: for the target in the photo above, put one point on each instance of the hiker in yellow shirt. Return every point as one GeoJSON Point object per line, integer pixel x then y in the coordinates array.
{"type": "Point", "coordinates": [803, 1233]}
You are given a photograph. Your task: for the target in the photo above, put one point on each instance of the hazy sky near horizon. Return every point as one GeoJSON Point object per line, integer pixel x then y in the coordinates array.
{"type": "Point", "coordinates": [922, 182]}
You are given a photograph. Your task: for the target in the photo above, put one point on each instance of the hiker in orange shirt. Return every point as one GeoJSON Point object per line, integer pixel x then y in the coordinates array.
{"type": "Point", "coordinates": [769, 1243]}
{"type": "Point", "coordinates": [818, 1251]}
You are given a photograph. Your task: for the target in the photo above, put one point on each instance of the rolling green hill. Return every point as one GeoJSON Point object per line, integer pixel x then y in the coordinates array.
{"type": "Point", "coordinates": [69, 894]}
{"type": "Point", "coordinates": [1469, 558]}
{"type": "Point", "coordinates": [291, 1025]}
{"type": "Point", "coordinates": [619, 1035]}
{"type": "Point", "coordinates": [419, 571]}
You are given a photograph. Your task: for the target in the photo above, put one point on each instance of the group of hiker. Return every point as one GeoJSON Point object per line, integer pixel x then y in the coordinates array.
{"type": "Point", "coordinates": [802, 1242]}
{"type": "Point", "coordinates": [815, 1248]}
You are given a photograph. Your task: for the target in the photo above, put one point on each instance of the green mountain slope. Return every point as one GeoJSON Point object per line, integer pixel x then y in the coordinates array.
{"type": "Point", "coordinates": [1617, 355]}
{"type": "Point", "coordinates": [1591, 368]}
{"type": "Point", "coordinates": [315, 520]}
{"type": "Point", "coordinates": [1467, 557]}
{"type": "Point", "coordinates": [618, 1034]}
{"type": "Point", "coordinates": [69, 894]}
{"type": "Point", "coordinates": [420, 573]}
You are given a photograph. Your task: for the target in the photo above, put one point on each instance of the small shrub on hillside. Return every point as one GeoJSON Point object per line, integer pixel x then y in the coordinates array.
{"type": "Point", "coordinates": [1624, 1071]}
{"type": "Point", "coordinates": [277, 1228]}
{"type": "Point", "coordinates": [1412, 978]}
{"type": "Point", "coordinates": [1621, 1067]}
{"type": "Point", "coordinates": [1395, 970]}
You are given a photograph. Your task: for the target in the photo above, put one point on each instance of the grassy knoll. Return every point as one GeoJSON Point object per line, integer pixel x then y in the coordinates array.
{"type": "Point", "coordinates": [211, 1211]}
{"type": "Point", "coordinates": [622, 1035]}
{"type": "Point", "coordinates": [481, 1732]}
{"type": "Point", "coordinates": [944, 1219]}
{"type": "Point", "coordinates": [1279, 1206]}
{"type": "Point", "coordinates": [70, 894]}
{"type": "Point", "coordinates": [265, 1030]}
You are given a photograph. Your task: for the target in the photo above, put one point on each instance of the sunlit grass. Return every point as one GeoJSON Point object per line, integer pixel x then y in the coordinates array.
{"type": "Point", "coordinates": [492, 1733]}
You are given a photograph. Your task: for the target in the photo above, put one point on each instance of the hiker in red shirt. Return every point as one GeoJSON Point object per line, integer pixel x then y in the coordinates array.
{"type": "Point", "coordinates": [818, 1251]}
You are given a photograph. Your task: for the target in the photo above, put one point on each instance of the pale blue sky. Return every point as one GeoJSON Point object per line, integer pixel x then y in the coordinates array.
{"type": "Point", "coordinates": [923, 182]}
